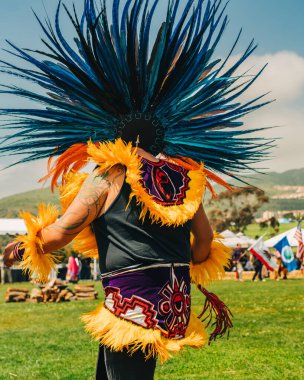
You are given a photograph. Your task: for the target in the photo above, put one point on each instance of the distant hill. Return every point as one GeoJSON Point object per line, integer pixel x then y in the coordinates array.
{"type": "Point", "coordinates": [294, 177]}
{"type": "Point", "coordinates": [285, 190]}
{"type": "Point", "coordinates": [11, 206]}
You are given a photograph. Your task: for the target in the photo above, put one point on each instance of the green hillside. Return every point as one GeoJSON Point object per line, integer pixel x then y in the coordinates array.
{"type": "Point", "coordinates": [11, 206]}
{"type": "Point", "coordinates": [294, 177]}
{"type": "Point", "coordinates": [269, 182]}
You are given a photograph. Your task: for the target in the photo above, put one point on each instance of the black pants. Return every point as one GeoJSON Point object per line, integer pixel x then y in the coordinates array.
{"type": "Point", "coordinates": [258, 271]}
{"type": "Point", "coordinates": [122, 366]}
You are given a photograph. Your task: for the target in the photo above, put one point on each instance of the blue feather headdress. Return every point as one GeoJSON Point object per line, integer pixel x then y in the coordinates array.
{"type": "Point", "coordinates": [112, 76]}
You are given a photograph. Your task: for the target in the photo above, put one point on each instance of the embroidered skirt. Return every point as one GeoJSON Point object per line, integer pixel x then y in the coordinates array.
{"type": "Point", "coordinates": [157, 296]}
{"type": "Point", "coordinates": [147, 308]}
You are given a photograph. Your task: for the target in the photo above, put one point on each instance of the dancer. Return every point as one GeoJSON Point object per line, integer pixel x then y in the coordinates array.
{"type": "Point", "coordinates": [158, 124]}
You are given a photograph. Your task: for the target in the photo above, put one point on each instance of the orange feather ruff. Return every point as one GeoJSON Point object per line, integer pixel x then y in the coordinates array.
{"type": "Point", "coordinates": [73, 159]}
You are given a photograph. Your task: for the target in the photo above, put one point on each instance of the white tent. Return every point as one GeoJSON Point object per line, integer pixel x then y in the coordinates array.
{"type": "Point", "coordinates": [12, 227]}
{"type": "Point", "coordinates": [227, 234]}
{"type": "Point", "coordinates": [232, 240]}
{"type": "Point", "coordinates": [245, 239]}
{"type": "Point", "coordinates": [290, 237]}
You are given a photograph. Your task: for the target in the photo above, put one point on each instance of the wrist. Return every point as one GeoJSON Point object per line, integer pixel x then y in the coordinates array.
{"type": "Point", "coordinates": [18, 252]}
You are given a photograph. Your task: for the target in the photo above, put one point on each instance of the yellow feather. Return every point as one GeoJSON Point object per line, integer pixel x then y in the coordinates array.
{"type": "Point", "coordinates": [85, 243]}
{"type": "Point", "coordinates": [72, 184]}
{"type": "Point", "coordinates": [213, 268]}
{"type": "Point", "coordinates": [118, 334]}
{"type": "Point", "coordinates": [35, 261]}
{"type": "Point", "coordinates": [106, 155]}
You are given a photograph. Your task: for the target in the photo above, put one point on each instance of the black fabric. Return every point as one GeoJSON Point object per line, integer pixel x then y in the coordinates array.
{"type": "Point", "coordinates": [143, 129]}
{"type": "Point", "coordinates": [258, 271]}
{"type": "Point", "coordinates": [122, 366]}
{"type": "Point", "coordinates": [123, 240]}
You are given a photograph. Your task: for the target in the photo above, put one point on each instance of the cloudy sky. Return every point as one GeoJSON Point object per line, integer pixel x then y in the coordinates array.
{"type": "Point", "coordinates": [276, 25]}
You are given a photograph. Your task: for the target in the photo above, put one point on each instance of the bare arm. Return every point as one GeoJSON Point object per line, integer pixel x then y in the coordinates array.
{"type": "Point", "coordinates": [83, 210]}
{"type": "Point", "coordinates": [203, 236]}
{"type": "Point", "coordinates": [86, 207]}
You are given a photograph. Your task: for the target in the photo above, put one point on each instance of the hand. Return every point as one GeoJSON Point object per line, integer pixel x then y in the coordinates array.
{"type": "Point", "coordinates": [8, 256]}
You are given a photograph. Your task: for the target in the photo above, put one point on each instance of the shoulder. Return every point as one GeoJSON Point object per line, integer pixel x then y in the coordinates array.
{"type": "Point", "coordinates": [103, 179]}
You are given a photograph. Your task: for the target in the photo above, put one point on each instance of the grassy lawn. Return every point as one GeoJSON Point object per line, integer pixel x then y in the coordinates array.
{"type": "Point", "coordinates": [47, 341]}
{"type": "Point", "coordinates": [254, 230]}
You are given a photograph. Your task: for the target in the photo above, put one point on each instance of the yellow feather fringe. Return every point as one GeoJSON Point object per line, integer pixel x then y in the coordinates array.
{"type": "Point", "coordinates": [117, 334]}
{"type": "Point", "coordinates": [106, 155]}
{"type": "Point", "coordinates": [213, 268]}
{"type": "Point", "coordinates": [72, 184]}
{"type": "Point", "coordinates": [84, 242]}
{"type": "Point", "coordinates": [34, 260]}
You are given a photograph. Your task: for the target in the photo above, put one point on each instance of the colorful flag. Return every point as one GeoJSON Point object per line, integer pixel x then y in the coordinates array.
{"type": "Point", "coordinates": [298, 236]}
{"type": "Point", "coordinates": [259, 250]}
{"type": "Point", "coordinates": [287, 256]}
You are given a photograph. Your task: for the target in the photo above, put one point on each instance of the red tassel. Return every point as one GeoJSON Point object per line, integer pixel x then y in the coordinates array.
{"type": "Point", "coordinates": [214, 306]}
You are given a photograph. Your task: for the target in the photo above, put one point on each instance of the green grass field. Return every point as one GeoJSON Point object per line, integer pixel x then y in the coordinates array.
{"type": "Point", "coordinates": [47, 341]}
{"type": "Point", "coordinates": [254, 230]}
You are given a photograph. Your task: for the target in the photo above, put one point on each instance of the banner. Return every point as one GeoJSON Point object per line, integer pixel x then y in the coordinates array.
{"type": "Point", "coordinates": [287, 255]}
{"type": "Point", "coordinates": [259, 250]}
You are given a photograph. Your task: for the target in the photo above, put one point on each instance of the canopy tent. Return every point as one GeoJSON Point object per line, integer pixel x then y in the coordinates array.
{"type": "Point", "coordinates": [227, 234]}
{"type": "Point", "coordinates": [12, 227]}
{"type": "Point", "coordinates": [245, 239]}
{"type": "Point", "coordinates": [290, 237]}
{"type": "Point", "coordinates": [232, 240]}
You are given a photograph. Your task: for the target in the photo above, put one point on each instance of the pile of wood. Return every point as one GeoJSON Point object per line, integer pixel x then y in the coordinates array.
{"type": "Point", "coordinates": [54, 291]}
{"type": "Point", "coordinates": [85, 292]}
{"type": "Point", "coordinates": [16, 295]}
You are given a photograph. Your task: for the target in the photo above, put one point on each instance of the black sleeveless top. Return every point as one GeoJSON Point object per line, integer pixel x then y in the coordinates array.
{"type": "Point", "coordinates": [123, 240]}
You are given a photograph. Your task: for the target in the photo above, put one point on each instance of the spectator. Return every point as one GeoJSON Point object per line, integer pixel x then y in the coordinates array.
{"type": "Point", "coordinates": [258, 266]}
{"type": "Point", "coordinates": [248, 266]}
{"type": "Point", "coordinates": [6, 273]}
{"type": "Point", "coordinates": [79, 263]}
{"type": "Point", "coordinates": [236, 259]}
{"type": "Point", "coordinates": [73, 269]}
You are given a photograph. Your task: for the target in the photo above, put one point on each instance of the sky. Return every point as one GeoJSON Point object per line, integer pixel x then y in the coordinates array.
{"type": "Point", "coordinates": [276, 25]}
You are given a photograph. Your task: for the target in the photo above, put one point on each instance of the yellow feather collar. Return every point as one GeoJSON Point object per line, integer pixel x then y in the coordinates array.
{"type": "Point", "coordinates": [106, 155]}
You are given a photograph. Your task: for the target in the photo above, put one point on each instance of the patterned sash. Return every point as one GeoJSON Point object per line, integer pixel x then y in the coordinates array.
{"type": "Point", "coordinates": [154, 297]}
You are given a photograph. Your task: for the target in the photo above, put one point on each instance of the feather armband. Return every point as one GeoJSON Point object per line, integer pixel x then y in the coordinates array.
{"type": "Point", "coordinates": [34, 260]}
{"type": "Point", "coordinates": [213, 268]}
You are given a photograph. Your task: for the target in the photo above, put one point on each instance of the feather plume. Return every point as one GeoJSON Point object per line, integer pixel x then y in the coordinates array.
{"type": "Point", "coordinates": [110, 71]}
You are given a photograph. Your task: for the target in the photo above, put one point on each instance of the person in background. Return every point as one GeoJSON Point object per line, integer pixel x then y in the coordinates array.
{"type": "Point", "coordinates": [249, 266]}
{"type": "Point", "coordinates": [6, 273]}
{"type": "Point", "coordinates": [73, 269]}
{"type": "Point", "coordinates": [277, 272]}
{"type": "Point", "coordinates": [258, 266]}
{"type": "Point", "coordinates": [302, 267]}
{"type": "Point", "coordinates": [281, 267]}
{"type": "Point", "coordinates": [79, 263]}
{"type": "Point", "coordinates": [237, 255]}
